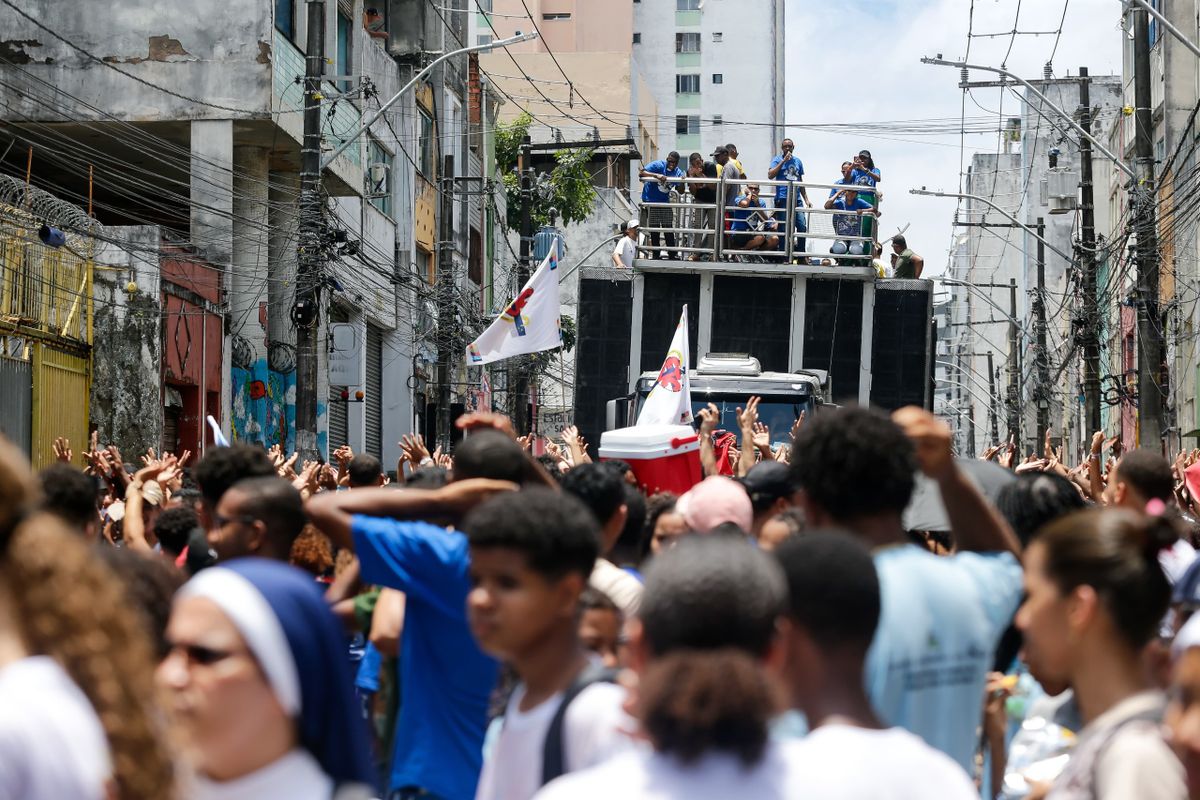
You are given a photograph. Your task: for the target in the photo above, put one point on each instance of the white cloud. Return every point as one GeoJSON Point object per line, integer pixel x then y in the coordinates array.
{"type": "Point", "coordinates": [859, 61]}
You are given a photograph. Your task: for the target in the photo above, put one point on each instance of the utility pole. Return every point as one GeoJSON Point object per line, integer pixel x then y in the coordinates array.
{"type": "Point", "coordinates": [447, 349]}
{"type": "Point", "coordinates": [1090, 332]}
{"type": "Point", "coordinates": [310, 250]}
{"type": "Point", "coordinates": [1042, 395]}
{"type": "Point", "coordinates": [993, 422]}
{"type": "Point", "coordinates": [521, 419]}
{"type": "Point", "coordinates": [1014, 365]}
{"type": "Point", "coordinates": [1151, 351]}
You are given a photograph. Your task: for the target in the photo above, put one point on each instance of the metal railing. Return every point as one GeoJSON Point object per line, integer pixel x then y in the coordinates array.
{"type": "Point", "coordinates": [686, 227]}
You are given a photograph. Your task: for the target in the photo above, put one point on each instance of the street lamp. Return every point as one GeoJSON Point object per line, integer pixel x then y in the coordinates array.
{"type": "Point", "coordinates": [1045, 100]}
{"type": "Point", "coordinates": [998, 210]}
{"type": "Point", "coordinates": [369, 121]}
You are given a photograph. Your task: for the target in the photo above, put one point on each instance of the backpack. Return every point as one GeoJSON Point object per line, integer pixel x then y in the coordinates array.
{"type": "Point", "coordinates": [554, 749]}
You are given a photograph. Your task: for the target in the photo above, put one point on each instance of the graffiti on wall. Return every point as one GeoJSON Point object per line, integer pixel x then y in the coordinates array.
{"type": "Point", "coordinates": [264, 394]}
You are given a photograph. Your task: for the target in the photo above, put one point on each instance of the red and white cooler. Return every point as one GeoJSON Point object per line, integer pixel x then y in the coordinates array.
{"type": "Point", "coordinates": [665, 458]}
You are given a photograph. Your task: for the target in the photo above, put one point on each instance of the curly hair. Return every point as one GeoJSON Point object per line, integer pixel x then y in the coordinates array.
{"type": "Point", "coordinates": [854, 463]}
{"type": "Point", "coordinates": [71, 608]}
{"type": "Point", "coordinates": [312, 552]}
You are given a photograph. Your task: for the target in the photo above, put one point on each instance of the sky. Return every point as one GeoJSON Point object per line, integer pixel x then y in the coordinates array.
{"type": "Point", "coordinates": [827, 81]}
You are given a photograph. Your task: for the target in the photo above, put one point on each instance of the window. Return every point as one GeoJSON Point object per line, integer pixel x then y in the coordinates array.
{"type": "Point", "coordinates": [718, 119]}
{"type": "Point", "coordinates": [285, 18]}
{"type": "Point", "coordinates": [378, 176]}
{"type": "Point", "coordinates": [687, 5]}
{"type": "Point", "coordinates": [344, 52]}
{"type": "Point", "coordinates": [687, 43]}
{"type": "Point", "coordinates": [718, 77]}
{"type": "Point", "coordinates": [484, 38]}
{"type": "Point", "coordinates": [686, 125]}
{"type": "Point", "coordinates": [425, 144]}
{"type": "Point", "coordinates": [485, 6]}
{"type": "Point", "coordinates": [687, 84]}
{"type": "Point", "coordinates": [637, 38]}
{"type": "Point", "coordinates": [718, 36]}
{"type": "Point", "coordinates": [553, 17]}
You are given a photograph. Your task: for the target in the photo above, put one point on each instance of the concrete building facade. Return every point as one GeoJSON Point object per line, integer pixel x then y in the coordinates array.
{"type": "Point", "coordinates": [702, 59]}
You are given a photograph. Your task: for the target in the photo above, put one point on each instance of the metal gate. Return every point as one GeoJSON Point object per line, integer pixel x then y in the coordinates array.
{"type": "Point", "coordinates": [374, 392]}
{"type": "Point", "coordinates": [16, 401]}
{"type": "Point", "coordinates": [62, 383]}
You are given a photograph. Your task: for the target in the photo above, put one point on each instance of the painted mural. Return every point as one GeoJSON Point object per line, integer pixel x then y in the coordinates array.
{"type": "Point", "coordinates": [264, 394]}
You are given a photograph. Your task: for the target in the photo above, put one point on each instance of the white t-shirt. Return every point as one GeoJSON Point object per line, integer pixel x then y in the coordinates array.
{"type": "Point", "coordinates": [296, 776]}
{"type": "Point", "coordinates": [621, 587]}
{"type": "Point", "coordinates": [626, 249]}
{"type": "Point", "coordinates": [646, 775]}
{"type": "Point", "coordinates": [842, 762]}
{"type": "Point", "coordinates": [52, 745]}
{"type": "Point", "coordinates": [594, 729]}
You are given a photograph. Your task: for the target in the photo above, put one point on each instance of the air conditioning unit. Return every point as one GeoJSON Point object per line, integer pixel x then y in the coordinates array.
{"type": "Point", "coordinates": [1062, 188]}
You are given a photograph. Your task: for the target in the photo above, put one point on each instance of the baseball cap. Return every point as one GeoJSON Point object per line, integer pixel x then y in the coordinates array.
{"type": "Point", "coordinates": [766, 482]}
{"type": "Point", "coordinates": [633, 223]}
{"type": "Point", "coordinates": [721, 150]}
{"type": "Point", "coordinates": [715, 500]}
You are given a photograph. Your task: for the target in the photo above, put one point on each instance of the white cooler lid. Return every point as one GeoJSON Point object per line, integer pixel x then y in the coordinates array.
{"type": "Point", "coordinates": [648, 441]}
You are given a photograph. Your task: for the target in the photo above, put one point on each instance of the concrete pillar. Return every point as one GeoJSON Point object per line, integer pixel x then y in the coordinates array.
{"type": "Point", "coordinates": [211, 171]}
{"type": "Point", "coordinates": [259, 391]}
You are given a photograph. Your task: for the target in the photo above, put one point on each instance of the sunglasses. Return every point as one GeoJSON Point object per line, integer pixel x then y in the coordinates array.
{"type": "Point", "coordinates": [201, 655]}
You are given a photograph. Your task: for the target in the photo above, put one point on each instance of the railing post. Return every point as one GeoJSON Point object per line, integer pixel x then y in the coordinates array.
{"type": "Point", "coordinates": [789, 216]}
{"type": "Point", "coordinates": [719, 223]}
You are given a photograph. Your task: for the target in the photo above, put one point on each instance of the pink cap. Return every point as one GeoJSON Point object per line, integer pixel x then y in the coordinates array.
{"type": "Point", "coordinates": [715, 500]}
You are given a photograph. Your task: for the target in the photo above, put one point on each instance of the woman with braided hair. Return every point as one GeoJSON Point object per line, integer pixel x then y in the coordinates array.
{"type": "Point", "coordinates": [77, 715]}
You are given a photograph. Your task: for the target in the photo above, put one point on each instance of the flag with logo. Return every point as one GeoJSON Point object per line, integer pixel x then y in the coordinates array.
{"type": "Point", "coordinates": [529, 324]}
{"type": "Point", "coordinates": [670, 401]}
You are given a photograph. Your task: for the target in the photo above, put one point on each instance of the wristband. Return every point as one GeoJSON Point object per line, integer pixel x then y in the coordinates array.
{"type": "Point", "coordinates": [426, 461]}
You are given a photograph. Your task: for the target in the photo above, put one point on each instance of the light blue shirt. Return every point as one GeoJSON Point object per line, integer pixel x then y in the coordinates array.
{"type": "Point", "coordinates": [940, 620]}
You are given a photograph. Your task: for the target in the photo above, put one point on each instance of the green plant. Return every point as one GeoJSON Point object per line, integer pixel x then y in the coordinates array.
{"type": "Point", "coordinates": [567, 187]}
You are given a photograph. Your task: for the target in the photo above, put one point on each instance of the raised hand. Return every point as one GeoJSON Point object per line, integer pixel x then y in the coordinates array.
{"type": "Point", "coordinates": [798, 424]}
{"type": "Point", "coordinates": [343, 455]}
{"type": "Point", "coordinates": [931, 437]}
{"type": "Point", "coordinates": [62, 450]}
{"type": "Point", "coordinates": [762, 438]}
{"type": "Point", "coordinates": [414, 448]}
{"type": "Point", "coordinates": [746, 418]}
{"type": "Point", "coordinates": [708, 419]}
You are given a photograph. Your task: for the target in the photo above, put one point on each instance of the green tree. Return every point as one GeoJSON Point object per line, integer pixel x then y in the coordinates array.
{"type": "Point", "coordinates": [567, 187]}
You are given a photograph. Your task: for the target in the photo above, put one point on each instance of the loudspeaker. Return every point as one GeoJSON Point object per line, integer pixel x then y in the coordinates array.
{"type": "Point", "coordinates": [833, 331]}
{"type": "Point", "coordinates": [603, 330]}
{"type": "Point", "coordinates": [902, 344]}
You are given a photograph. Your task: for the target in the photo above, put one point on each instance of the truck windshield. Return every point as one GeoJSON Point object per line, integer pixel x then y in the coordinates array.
{"type": "Point", "coordinates": [777, 413]}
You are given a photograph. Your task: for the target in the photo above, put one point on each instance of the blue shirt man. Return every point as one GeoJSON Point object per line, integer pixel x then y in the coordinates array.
{"type": "Point", "coordinates": [658, 191]}
{"type": "Point", "coordinates": [740, 216]}
{"type": "Point", "coordinates": [439, 733]}
{"type": "Point", "coordinates": [786, 167]}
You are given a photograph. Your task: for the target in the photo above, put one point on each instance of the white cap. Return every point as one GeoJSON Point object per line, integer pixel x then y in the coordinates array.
{"type": "Point", "coordinates": [633, 223]}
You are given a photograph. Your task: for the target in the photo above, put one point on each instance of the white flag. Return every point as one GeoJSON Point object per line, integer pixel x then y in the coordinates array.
{"type": "Point", "coordinates": [529, 324]}
{"type": "Point", "coordinates": [670, 401]}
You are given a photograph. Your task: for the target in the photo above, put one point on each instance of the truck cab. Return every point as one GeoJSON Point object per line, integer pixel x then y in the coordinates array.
{"type": "Point", "coordinates": [726, 380]}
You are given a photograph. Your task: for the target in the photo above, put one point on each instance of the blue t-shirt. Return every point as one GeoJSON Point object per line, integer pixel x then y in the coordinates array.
{"type": "Point", "coordinates": [740, 216]}
{"type": "Point", "coordinates": [940, 620]}
{"type": "Point", "coordinates": [447, 679]}
{"type": "Point", "coordinates": [849, 224]}
{"type": "Point", "coordinates": [653, 191]}
{"type": "Point", "coordinates": [864, 177]}
{"type": "Point", "coordinates": [792, 170]}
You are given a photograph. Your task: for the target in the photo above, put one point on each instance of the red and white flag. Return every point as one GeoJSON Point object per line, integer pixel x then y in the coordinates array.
{"type": "Point", "coordinates": [670, 401]}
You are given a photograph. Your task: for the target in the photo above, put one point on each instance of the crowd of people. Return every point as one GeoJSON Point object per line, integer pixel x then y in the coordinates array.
{"type": "Point", "coordinates": [754, 225]}
{"type": "Point", "coordinates": [492, 624]}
